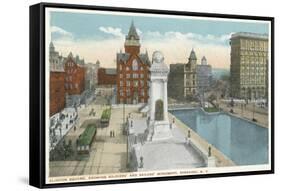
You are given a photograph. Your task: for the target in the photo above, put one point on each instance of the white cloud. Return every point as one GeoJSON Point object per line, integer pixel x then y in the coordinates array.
{"type": "Point", "coordinates": [111, 30]}
{"type": "Point", "coordinates": [209, 38]}
{"type": "Point", "coordinates": [60, 31]}
{"type": "Point", "coordinates": [225, 37]}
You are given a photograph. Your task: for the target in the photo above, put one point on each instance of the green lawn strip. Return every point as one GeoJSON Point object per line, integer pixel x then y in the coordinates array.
{"type": "Point", "coordinates": [86, 137]}
{"type": "Point", "coordinates": [211, 109]}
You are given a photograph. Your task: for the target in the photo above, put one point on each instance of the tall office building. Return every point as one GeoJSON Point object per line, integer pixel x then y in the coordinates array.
{"type": "Point", "coordinates": [248, 68]}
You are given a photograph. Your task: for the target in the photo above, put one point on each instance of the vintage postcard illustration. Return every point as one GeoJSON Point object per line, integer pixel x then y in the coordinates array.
{"type": "Point", "coordinates": [134, 95]}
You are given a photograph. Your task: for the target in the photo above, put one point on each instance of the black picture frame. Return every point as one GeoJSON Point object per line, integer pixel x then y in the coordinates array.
{"type": "Point", "coordinates": [37, 93]}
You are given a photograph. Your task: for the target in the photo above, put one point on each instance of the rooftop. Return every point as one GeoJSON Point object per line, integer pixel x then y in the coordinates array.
{"type": "Point", "coordinates": [124, 57]}
{"type": "Point", "coordinates": [250, 35]}
{"type": "Point", "coordinates": [132, 32]}
{"type": "Point", "coordinates": [192, 55]}
{"type": "Point", "coordinates": [110, 71]}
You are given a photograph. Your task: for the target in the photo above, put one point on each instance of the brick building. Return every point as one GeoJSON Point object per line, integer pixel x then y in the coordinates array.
{"type": "Point", "coordinates": [74, 75]}
{"type": "Point", "coordinates": [132, 71]}
{"type": "Point", "coordinates": [57, 80]}
{"type": "Point", "coordinates": [106, 76]}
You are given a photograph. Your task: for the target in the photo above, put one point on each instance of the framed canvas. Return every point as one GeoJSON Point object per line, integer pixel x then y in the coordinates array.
{"type": "Point", "coordinates": [121, 95]}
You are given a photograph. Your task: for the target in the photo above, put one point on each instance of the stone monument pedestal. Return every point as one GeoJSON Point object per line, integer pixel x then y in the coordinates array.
{"type": "Point", "coordinates": [161, 130]}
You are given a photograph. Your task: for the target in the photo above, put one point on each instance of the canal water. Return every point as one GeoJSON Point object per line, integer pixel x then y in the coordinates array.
{"type": "Point", "coordinates": [243, 142]}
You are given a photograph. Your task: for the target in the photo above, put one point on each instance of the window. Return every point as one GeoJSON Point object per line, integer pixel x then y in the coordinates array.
{"type": "Point", "coordinates": [121, 83]}
{"type": "Point", "coordinates": [76, 85]}
{"type": "Point", "coordinates": [128, 83]}
{"type": "Point", "coordinates": [127, 68]}
{"type": "Point", "coordinates": [135, 83]}
{"type": "Point", "coordinates": [121, 75]}
{"type": "Point", "coordinates": [135, 65]}
{"type": "Point", "coordinates": [141, 75]}
{"type": "Point", "coordinates": [135, 75]}
{"type": "Point", "coordinates": [128, 76]}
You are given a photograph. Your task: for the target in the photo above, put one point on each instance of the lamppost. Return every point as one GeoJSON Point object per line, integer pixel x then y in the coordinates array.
{"type": "Point", "coordinates": [242, 106]}
{"type": "Point", "coordinates": [254, 105]}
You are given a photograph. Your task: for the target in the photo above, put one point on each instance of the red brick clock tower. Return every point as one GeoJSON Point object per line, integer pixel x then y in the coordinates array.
{"type": "Point", "coordinates": [132, 71]}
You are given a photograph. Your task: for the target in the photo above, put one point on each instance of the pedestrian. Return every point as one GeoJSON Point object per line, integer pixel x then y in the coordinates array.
{"type": "Point", "coordinates": [113, 133]}
{"type": "Point", "coordinates": [110, 133]}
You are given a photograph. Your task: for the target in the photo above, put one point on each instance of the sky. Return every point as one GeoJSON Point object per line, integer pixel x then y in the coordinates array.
{"type": "Point", "coordinates": [96, 36]}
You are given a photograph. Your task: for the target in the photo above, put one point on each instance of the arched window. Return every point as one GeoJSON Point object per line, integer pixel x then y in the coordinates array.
{"type": "Point", "coordinates": [159, 110]}
{"type": "Point", "coordinates": [135, 65]}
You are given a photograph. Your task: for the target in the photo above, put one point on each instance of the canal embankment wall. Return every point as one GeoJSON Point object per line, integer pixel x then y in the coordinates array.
{"type": "Point", "coordinates": [221, 159]}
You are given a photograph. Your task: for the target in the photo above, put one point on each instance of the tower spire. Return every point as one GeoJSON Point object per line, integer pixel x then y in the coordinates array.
{"type": "Point", "coordinates": [132, 32]}
{"type": "Point", "coordinates": [132, 42]}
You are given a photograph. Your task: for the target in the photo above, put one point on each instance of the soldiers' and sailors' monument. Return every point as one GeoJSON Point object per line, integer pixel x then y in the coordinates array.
{"type": "Point", "coordinates": [159, 126]}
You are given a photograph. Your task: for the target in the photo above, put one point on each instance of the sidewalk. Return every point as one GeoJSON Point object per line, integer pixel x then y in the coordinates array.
{"type": "Point", "coordinates": [261, 117]}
